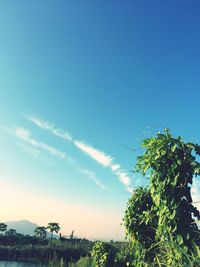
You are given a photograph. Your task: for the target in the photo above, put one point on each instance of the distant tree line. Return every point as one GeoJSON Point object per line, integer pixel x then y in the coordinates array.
{"type": "Point", "coordinates": [41, 247]}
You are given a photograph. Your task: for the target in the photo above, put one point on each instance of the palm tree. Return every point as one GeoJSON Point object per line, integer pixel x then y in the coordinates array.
{"type": "Point", "coordinates": [53, 227]}
{"type": "Point", "coordinates": [3, 227]}
{"type": "Point", "coordinates": [40, 231]}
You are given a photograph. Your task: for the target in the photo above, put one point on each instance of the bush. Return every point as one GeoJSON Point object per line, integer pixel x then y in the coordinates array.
{"type": "Point", "coordinates": [160, 219]}
{"type": "Point", "coordinates": [103, 254]}
{"type": "Point", "coordinates": [82, 262]}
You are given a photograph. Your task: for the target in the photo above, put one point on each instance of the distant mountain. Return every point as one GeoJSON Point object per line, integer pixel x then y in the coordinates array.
{"type": "Point", "coordinates": [23, 227]}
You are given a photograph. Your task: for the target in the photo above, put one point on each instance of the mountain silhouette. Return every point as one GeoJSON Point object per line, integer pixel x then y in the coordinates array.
{"type": "Point", "coordinates": [24, 227]}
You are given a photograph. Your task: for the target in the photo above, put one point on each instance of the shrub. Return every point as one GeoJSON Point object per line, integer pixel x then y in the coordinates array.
{"type": "Point", "coordinates": [102, 254]}
{"type": "Point", "coordinates": [160, 219]}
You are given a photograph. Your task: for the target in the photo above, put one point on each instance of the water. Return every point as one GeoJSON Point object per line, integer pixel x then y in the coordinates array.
{"type": "Point", "coordinates": [18, 264]}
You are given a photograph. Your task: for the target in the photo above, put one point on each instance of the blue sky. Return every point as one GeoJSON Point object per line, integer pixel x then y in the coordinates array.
{"type": "Point", "coordinates": [80, 83]}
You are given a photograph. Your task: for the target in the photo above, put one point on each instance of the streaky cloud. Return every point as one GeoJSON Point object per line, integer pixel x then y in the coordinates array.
{"type": "Point", "coordinates": [25, 135]}
{"type": "Point", "coordinates": [34, 152]}
{"type": "Point", "coordinates": [115, 167]}
{"type": "Point", "coordinates": [35, 148]}
{"type": "Point", "coordinates": [50, 127]}
{"type": "Point", "coordinates": [92, 176]}
{"type": "Point", "coordinates": [123, 177]}
{"type": "Point", "coordinates": [106, 161]}
{"type": "Point", "coordinates": [94, 153]}
{"type": "Point", "coordinates": [53, 151]}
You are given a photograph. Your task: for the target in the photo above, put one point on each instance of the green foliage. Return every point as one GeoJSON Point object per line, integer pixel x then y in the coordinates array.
{"type": "Point", "coordinates": [174, 255]}
{"type": "Point", "coordinates": [140, 220]}
{"type": "Point", "coordinates": [3, 227]}
{"type": "Point", "coordinates": [11, 232]}
{"type": "Point", "coordinates": [82, 262]}
{"type": "Point", "coordinates": [161, 218]}
{"type": "Point", "coordinates": [53, 227]}
{"type": "Point", "coordinates": [102, 254]}
{"type": "Point", "coordinates": [131, 254]}
{"type": "Point", "coordinates": [20, 240]}
{"type": "Point", "coordinates": [40, 232]}
{"type": "Point", "coordinates": [34, 249]}
{"type": "Point", "coordinates": [57, 262]}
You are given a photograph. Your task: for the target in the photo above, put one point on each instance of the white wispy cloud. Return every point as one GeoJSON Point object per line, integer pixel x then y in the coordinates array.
{"type": "Point", "coordinates": [106, 161]}
{"type": "Point", "coordinates": [35, 148]}
{"type": "Point", "coordinates": [98, 155]}
{"type": "Point", "coordinates": [34, 152]}
{"type": "Point", "coordinates": [115, 167]}
{"type": "Point", "coordinates": [92, 176]}
{"type": "Point", "coordinates": [25, 135]}
{"type": "Point", "coordinates": [123, 177]}
{"type": "Point", "coordinates": [50, 127]}
{"type": "Point", "coordinates": [94, 153]}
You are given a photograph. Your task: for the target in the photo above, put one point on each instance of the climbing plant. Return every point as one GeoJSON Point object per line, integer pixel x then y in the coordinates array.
{"type": "Point", "coordinates": [163, 213]}
{"type": "Point", "coordinates": [102, 255]}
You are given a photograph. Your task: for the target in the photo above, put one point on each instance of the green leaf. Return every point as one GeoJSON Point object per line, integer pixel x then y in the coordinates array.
{"type": "Point", "coordinates": [173, 148]}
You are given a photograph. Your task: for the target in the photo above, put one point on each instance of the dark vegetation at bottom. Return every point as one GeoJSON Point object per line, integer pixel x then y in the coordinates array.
{"type": "Point", "coordinates": [33, 249]}
{"type": "Point", "coordinates": [40, 254]}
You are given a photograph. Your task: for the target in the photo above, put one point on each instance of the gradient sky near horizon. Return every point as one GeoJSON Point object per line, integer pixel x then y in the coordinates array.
{"type": "Point", "coordinates": [82, 82]}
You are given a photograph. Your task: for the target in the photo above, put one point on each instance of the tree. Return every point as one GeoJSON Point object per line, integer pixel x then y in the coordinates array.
{"type": "Point", "coordinates": [162, 215]}
{"type": "Point", "coordinates": [11, 232]}
{"type": "Point", "coordinates": [53, 227]}
{"type": "Point", "coordinates": [72, 235]}
{"type": "Point", "coordinates": [3, 227]}
{"type": "Point", "coordinates": [40, 231]}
